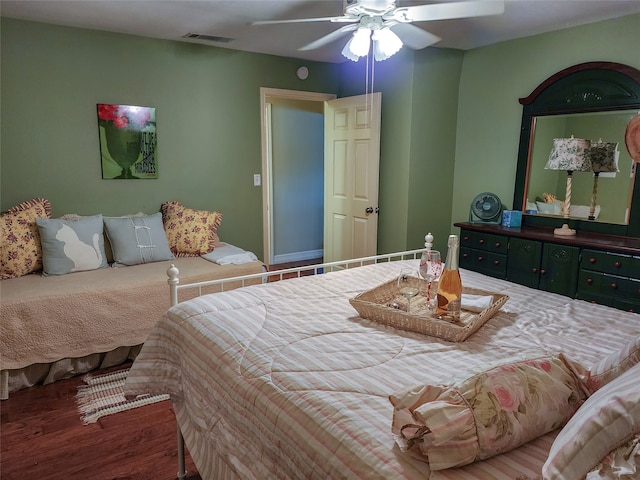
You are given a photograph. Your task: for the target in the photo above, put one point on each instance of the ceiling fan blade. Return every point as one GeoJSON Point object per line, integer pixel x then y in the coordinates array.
{"type": "Point", "coordinates": [322, 41]}
{"type": "Point", "coordinates": [449, 10]}
{"type": "Point", "coordinates": [344, 18]}
{"type": "Point", "coordinates": [414, 37]}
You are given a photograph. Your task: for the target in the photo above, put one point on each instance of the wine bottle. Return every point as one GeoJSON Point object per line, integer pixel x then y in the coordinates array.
{"type": "Point", "coordinates": [449, 293]}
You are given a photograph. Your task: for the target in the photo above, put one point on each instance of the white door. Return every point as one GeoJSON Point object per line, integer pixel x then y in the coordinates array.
{"type": "Point", "coordinates": [352, 156]}
{"type": "Point", "coordinates": [362, 115]}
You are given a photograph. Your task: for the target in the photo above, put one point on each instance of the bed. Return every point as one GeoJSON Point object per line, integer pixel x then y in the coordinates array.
{"type": "Point", "coordinates": [284, 380]}
{"type": "Point", "coordinates": [55, 327]}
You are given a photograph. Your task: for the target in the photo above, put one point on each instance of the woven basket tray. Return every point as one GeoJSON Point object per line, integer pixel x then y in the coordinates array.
{"type": "Point", "coordinates": [373, 305]}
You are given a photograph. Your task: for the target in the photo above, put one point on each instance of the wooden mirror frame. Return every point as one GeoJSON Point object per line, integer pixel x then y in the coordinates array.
{"type": "Point", "coordinates": [586, 87]}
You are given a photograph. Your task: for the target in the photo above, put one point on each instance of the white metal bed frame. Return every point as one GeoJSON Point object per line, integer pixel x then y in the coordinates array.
{"type": "Point", "coordinates": [296, 272]}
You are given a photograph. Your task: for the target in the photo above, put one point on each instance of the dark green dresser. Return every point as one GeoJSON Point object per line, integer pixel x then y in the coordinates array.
{"type": "Point", "coordinates": [610, 278]}
{"type": "Point", "coordinates": [595, 267]}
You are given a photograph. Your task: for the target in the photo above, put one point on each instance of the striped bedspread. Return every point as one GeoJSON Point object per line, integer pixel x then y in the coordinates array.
{"type": "Point", "coordinates": [285, 381]}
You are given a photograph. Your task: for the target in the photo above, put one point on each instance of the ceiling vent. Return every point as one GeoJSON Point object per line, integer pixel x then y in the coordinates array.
{"type": "Point", "coordinates": [208, 38]}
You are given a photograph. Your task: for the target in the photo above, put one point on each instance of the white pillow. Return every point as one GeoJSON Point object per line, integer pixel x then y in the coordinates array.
{"type": "Point", "coordinates": [137, 239]}
{"type": "Point", "coordinates": [582, 211]}
{"type": "Point", "coordinates": [608, 418]}
{"type": "Point", "coordinates": [553, 208]}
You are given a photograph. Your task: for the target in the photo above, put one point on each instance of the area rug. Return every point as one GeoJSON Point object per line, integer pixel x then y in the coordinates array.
{"type": "Point", "coordinates": [104, 395]}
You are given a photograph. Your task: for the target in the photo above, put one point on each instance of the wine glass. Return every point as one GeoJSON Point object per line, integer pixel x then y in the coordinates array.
{"type": "Point", "coordinates": [409, 284]}
{"type": "Point", "coordinates": [430, 269]}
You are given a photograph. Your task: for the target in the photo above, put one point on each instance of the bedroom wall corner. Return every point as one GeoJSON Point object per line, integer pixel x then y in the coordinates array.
{"type": "Point", "coordinates": [495, 77]}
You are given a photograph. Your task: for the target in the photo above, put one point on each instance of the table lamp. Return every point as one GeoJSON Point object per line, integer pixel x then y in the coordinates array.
{"type": "Point", "coordinates": [568, 154]}
{"type": "Point", "coordinates": [604, 158]}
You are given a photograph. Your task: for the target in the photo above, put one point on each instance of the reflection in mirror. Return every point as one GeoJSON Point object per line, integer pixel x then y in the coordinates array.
{"type": "Point", "coordinates": [614, 190]}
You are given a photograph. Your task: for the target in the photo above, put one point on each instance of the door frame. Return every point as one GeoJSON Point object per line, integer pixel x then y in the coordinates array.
{"type": "Point", "coordinates": [267, 176]}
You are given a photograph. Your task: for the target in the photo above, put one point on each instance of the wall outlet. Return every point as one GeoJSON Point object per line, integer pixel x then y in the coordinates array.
{"type": "Point", "coordinates": [256, 180]}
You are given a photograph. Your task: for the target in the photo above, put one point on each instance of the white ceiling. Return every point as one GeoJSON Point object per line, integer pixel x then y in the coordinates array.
{"type": "Point", "coordinates": [172, 19]}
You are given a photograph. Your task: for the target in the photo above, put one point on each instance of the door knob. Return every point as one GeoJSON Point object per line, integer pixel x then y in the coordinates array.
{"type": "Point", "coordinates": [371, 210]}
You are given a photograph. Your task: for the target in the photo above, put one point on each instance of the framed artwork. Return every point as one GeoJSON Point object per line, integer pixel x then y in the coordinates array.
{"type": "Point", "coordinates": [127, 141]}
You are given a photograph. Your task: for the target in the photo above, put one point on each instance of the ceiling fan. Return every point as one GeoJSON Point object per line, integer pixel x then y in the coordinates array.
{"type": "Point", "coordinates": [389, 26]}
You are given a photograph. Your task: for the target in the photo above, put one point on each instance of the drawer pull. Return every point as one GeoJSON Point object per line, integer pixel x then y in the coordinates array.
{"type": "Point", "coordinates": [617, 264]}
{"type": "Point", "coordinates": [592, 260]}
{"type": "Point", "coordinates": [481, 242]}
{"type": "Point", "coordinates": [589, 281]}
{"type": "Point", "coordinates": [480, 259]}
{"type": "Point", "coordinates": [534, 270]}
{"type": "Point", "coordinates": [465, 238]}
{"type": "Point", "coordinates": [543, 272]}
{"type": "Point", "coordinates": [465, 255]}
{"type": "Point", "coordinates": [614, 286]}
{"type": "Point", "coordinates": [497, 244]}
{"type": "Point", "coordinates": [496, 262]}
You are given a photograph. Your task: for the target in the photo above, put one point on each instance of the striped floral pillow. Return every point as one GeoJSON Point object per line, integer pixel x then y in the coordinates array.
{"type": "Point", "coordinates": [611, 367]}
{"type": "Point", "coordinates": [610, 417]}
{"type": "Point", "coordinates": [486, 414]}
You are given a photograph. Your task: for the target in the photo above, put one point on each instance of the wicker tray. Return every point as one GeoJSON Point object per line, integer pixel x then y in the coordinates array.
{"type": "Point", "coordinates": [373, 305]}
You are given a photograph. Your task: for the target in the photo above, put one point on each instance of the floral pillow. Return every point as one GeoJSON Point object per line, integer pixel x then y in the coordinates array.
{"type": "Point", "coordinates": [609, 418]}
{"type": "Point", "coordinates": [21, 252]}
{"type": "Point", "coordinates": [611, 367]}
{"type": "Point", "coordinates": [190, 232]}
{"type": "Point", "coordinates": [489, 413]}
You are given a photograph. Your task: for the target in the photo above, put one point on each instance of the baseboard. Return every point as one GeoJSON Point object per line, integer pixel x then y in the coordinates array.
{"type": "Point", "coordinates": [296, 256]}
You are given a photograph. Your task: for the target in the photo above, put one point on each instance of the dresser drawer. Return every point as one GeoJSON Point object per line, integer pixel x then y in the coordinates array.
{"type": "Point", "coordinates": [613, 263]}
{"type": "Point", "coordinates": [489, 263]}
{"type": "Point", "coordinates": [627, 305]}
{"type": "Point", "coordinates": [596, 284]}
{"type": "Point", "coordinates": [484, 241]}
{"type": "Point", "coordinates": [630, 289]}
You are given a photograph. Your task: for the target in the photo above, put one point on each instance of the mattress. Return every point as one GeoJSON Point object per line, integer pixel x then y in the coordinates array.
{"type": "Point", "coordinates": [284, 380]}
{"type": "Point", "coordinates": [45, 319]}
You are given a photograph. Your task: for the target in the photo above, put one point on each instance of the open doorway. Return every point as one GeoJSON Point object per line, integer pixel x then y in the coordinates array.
{"type": "Point", "coordinates": [346, 213]}
{"type": "Point", "coordinates": [292, 172]}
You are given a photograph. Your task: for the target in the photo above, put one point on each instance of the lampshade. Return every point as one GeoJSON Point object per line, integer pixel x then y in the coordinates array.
{"type": "Point", "coordinates": [358, 44]}
{"type": "Point", "coordinates": [603, 157]}
{"type": "Point", "coordinates": [569, 154]}
{"type": "Point", "coordinates": [385, 43]}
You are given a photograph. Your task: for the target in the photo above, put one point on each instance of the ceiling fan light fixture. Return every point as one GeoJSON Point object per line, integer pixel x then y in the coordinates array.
{"type": "Point", "coordinates": [358, 45]}
{"type": "Point", "coordinates": [346, 52]}
{"type": "Point", "coordinates": [385, 43]}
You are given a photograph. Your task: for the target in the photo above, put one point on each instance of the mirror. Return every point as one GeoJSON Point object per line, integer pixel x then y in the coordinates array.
{"type": "Point", "coordinates": [593, 101]}
{"type": "Point", "coordinates": [614, 190]}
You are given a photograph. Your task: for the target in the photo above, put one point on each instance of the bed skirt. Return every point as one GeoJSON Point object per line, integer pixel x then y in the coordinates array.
{"type": "Point", "coordinates": [45, 373]}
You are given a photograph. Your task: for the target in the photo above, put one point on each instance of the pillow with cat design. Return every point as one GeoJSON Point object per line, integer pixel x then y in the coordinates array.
{"type": "Point", "coordinates": [72, 245]}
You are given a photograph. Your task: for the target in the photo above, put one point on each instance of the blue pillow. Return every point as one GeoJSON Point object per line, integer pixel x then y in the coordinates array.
{"type": "Point", "coordinates": [137, 239]}
{"type": "Point", "coordinates": [71, 245]}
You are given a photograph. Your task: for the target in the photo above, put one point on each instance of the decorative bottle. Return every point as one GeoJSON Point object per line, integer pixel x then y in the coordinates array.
{"type": "Point", "coordinates": [450, 286]}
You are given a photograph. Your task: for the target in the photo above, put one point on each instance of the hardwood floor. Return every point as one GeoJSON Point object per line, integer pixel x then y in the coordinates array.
{"type": "Point", "coordinates": [43, 438]}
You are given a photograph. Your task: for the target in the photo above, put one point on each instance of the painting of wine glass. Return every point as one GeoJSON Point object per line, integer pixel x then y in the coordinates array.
{"type": "Point", "coordinates": [127, 141]}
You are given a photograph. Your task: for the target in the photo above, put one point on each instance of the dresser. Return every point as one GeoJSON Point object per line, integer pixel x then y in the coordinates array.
{"type": "Point", "coordinates": [596, 267]}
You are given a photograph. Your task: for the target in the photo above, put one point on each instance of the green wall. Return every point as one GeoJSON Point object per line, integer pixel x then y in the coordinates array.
{"type": "Point", "coordinates": [495, 77]}
{"type": "Point", "coordinates": [417, 142]}
{"type": "Point", "coordinates": [208, 113]}
{"type": "Point", "coordinates": [450, 121]}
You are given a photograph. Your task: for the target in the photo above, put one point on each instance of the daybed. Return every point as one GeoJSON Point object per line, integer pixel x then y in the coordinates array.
{"type": "Point", "coordinates": [284, 380]}
{"type": "Point", "coordinates": [57, 322]}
